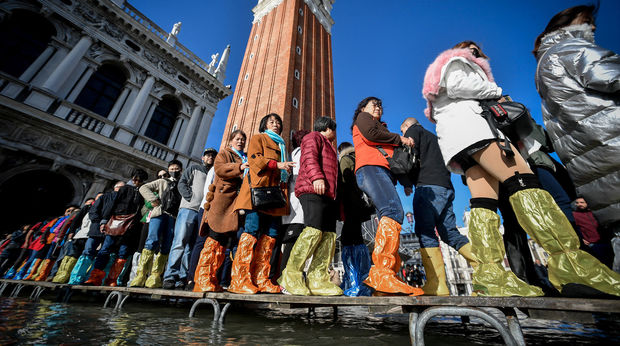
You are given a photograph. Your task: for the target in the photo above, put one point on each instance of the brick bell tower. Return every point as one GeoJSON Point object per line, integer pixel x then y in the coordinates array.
{"type": "Point", "coordinates": [287, 68]}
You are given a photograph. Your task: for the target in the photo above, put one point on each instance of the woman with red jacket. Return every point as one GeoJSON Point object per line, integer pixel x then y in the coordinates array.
{"type": "Point", "coordinates": [316, 189]}
{"type": "Point", "coordinates": [373, 175]}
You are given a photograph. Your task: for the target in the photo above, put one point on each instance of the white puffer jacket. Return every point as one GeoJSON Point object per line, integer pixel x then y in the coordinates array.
{"type": "Point", "coordinates": [579, 83]}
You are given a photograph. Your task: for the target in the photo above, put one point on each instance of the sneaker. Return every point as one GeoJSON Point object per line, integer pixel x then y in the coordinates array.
{"type": "Point", "coordinates": [189, 286]}
{"type": "Point", "coordinates": [168, 285]}
{"type": "Point", "coordinates": [284, 291]}
{"type": "Point", "coordinates": [180, 286]}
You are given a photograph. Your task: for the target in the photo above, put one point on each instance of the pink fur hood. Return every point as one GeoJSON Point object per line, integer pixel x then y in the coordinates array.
{"type": "Point", "coordinates": [432, 78]}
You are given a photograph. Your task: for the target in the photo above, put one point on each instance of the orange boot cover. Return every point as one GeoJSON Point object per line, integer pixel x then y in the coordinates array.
{"type": "Point", "coordinates": [261, 265]}
{"type": "Point", "coordinates": [34, 271]}
{"type": "Point", "coordinates": [115, 271]}
{"type": "Point", "coordinates": [95, 278]}
{"type": "Point", "coordinates": [382, 276]}
{"type": "Point", "coordinates": [46, 268]}
{"type": "Point", "coordinates": [211, 259]}
{"type": "Point", "coordinates": [240, 279]}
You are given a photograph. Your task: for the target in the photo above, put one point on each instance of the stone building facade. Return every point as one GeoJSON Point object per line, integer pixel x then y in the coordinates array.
{"type": "Point", "coordinates": [287, 67]}
{"type": "Point", "coordinates": [89, 91]}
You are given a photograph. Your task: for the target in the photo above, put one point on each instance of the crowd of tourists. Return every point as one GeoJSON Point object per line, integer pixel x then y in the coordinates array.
{"type": "Point", "coordinates": [265, 220]}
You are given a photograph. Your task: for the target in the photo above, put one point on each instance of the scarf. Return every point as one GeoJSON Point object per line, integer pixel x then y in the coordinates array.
{"type": "Point", "coordinates": [244, 158]}
{"type": "Point", "coordinates": [276, 138]}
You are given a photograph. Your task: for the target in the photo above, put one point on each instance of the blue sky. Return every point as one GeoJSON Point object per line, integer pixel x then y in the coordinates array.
{"type": "Point", "coordinates": [382, 48]}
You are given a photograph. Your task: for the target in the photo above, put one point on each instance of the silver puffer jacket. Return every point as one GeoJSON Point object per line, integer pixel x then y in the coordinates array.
{"type": "Point", "coordinates": [579, 83]}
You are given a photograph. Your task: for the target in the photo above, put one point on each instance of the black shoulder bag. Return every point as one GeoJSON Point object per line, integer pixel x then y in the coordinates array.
{"type": "Point", "coordinates": [403, 161]}
{"type": "Point", "coordinates": [511, 118]}
{"type": "Point", "coordinates": [269, 197]}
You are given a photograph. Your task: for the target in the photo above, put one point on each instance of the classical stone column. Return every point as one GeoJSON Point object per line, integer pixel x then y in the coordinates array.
{"type": "Point", "coordinates": [81, 83]}
{"type": "Point", "coordinates": [138, 103]}
{"type": "Point", "coordinates": [68, 64]}
{"type": "Point", "coordinates": [203, 132]}
{"type": "Point", "coordinates": [119, 103]}
{"type": "Point", "coordinates": [188, 137]}
{"type": "Point", "coordinates": [36, 65]}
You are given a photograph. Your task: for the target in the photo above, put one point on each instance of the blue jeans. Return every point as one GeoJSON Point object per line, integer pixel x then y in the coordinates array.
{"type": "Point", "coordinates": [111, 244]}
{"type": "Point", "coordinates": [161, 231]}
{"type": "Point", "coordinates": [185, 230]}
{"type": "Point", "coordinates": [256, 222]}
{"type": "Point", "coordinates": [432, 208]}
{"type": "Point", "coordinates": [90, 249]}
{"type": "Point", "coordinates": [550, 184]}
{"type": "Point", "coordinates": [379, 184]}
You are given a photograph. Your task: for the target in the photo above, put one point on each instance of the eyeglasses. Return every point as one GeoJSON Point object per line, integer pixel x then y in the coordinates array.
{"type": "Point", "coordinates": [475, 52]}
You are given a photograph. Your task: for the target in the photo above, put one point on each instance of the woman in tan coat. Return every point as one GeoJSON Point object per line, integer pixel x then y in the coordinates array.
{"type": "Point", "coordinates": [269, 167]}
{"type": "Point", "coordinates": [223, 219]}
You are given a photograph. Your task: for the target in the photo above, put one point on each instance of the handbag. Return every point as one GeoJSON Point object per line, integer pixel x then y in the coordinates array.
{"type": "Point", "coordinates": [269, 197]}
{"type": "Point", "coordinates": [511, 118]}
{"type": "Point", "coordinates": [403, 161]}
{"type": "Point", "coordinates": [119, 224]}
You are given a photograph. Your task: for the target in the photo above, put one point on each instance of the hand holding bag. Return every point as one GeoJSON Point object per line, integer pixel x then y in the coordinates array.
{"type": "Point", "coordinates": [119, 224]}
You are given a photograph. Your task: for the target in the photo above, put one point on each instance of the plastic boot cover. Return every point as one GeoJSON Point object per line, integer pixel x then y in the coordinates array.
{"type": "Point", "coordinates": [46, 269]}
{"type": "Point", "coordinates": [23, 270]}
{"type": "Point", "coordinates": [211, 259]}
{"type": "Point", "coordinates": [11, 273]}
{"type": "Point", "coordinates": [318, 279]}
{"type": "Point", "coordinates": [382, 276]}
{"type": "Point", "coordinates": [33, 271]}
{"type": "Point", "coordinates": [144, 267]}
{"type": "Point", "coordinates": [465, 251]}
{"type": "Point", "coordinates": [96, 277]}
{"type": "Point", "coordinates": [159, 265]}
{"type": "Point", "coordinates": [490, 278]}
{"type": "Point", "coordinates": [241, 280]}
{"type": "Point", "coordinates": [81, 270]}
{"type": "Point", "coordinates": [292, 278]}
{"type": "Point", "coordinates": [356, 262]}
{"type": "Point", "coordinates": [435, 272]}
{"type": "Point", "coordinates": [261, 265]}
{"type": "Point", "coordinates": [64, 272]}
{"type": "Point", "coordinates": [115, 271]}
{"type": "Point", "coordinates": [135, 261]}
{"type": "Point", "coordinates": [362, 256]}
{"type": "Point", "coordinates": [123, 274]}
{"type": "Point", "coordinates": [543, 220]}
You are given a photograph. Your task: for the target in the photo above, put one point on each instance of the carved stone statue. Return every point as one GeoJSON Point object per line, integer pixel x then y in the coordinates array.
{"type": "Point", "coordinates": [175, 29]}
{"type": "Point", "coordinates": [213, 62]}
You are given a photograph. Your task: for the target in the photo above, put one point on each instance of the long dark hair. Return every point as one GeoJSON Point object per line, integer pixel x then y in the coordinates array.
{"type": "Point", "coordinates": [363, 104]}
{"type": "Point", "coordinates": [564, 18]}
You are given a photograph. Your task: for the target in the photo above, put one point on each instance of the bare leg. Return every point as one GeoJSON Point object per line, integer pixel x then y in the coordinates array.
{"type": "Point", "coordinates": [500, 169]}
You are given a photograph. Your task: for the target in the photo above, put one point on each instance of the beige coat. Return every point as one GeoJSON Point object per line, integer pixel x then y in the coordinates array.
{"type": "Point", "coordinates": [148, 191]}
{"type": "Point", "coordinates": [261, 150]}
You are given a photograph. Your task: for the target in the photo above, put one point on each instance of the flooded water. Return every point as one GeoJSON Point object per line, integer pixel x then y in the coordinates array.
{"type": "Point", "coordinates": [84, 321]}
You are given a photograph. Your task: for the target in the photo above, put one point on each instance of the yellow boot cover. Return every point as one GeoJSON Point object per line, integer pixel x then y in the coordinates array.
{"type": "Point", "coordinates": [490, 278]}
{"type": "Point", "coordinates": [465, 251]}
{"type": "Point", "coordinates": [211, 259]}
{"type": "Point", "coordinates": [240, 278]}
{"type": "Point", "coordinates": [382, 276]}
{"type": "Point", "coordinates": [144, 268]}
{"type": "Point", "coordinates": [318, 279]}
{"type": "Point", "coordinates": [292, 278]}
{"type": "Point", "coordinates": [64, 271]}
{"type": "Point", "coordinates": [159, 265]}
{"type": "Point", "coordinates": [435, 272]}
{"type": "Point", "coordinates": [543, 220]}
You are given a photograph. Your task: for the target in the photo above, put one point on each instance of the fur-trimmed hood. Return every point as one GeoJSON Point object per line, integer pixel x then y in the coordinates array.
{"type": "Point", "coordinates": [433, 75]}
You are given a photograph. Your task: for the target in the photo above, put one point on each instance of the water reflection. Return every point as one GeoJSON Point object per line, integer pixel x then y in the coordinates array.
{"type": "Point", "coordinates": [145, 323]}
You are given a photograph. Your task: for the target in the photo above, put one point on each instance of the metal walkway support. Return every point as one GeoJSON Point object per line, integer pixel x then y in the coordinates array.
{"type": "Point", "coordinates": [36, 293]}
{"type": "Point", "coordinates": [3, 286]}
{"type": "Point", "coordinates": [216, 308]}
{"type": "Point", "coordinates": [16, 290]}
{"type": "Point", "coordinates": [417, 322]}
{"type": "Point", "coordinates": [120, 299]}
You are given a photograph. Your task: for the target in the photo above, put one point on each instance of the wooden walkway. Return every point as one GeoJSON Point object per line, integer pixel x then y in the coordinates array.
{"type": "Point", "coordinates": [420, 309]}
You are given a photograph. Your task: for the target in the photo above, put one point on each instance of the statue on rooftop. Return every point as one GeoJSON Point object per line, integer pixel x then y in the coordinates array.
{"type": "Point", "coordinates": [175, 29]}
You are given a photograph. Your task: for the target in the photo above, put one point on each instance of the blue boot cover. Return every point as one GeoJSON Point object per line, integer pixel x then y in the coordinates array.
{"type": "Point", "coordinates": [9, 274]}
{"type": "Point", "coordinates": [109, 265]}
{"type": "Point", "coordinates": [350, 276]}
{"type": "Point", "coordinates": [356, 262]}
{"type": "Point", "coordinates": [25, 271]}
{"type": "Point", "coordinates": [362, 257]}
{"type": "Point", "coordinates": [127, 267]}
{"type": "Point", "coordinates": [81, 271]}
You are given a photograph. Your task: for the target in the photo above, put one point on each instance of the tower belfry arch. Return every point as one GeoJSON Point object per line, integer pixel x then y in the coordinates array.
{"type": "Point", "coordinates": [287, 67]}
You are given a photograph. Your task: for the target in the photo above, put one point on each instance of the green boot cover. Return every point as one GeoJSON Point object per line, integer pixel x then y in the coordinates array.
{"type": "Point", "coordinates": [292, 278]}
{"type": "Point", "coordinates": [490, 278]}
{"type": "Point", "coordinates": [318, 274]}
{"type": "Point", "coordinates": [543, 220]}
{"type": "Point", "coordinates": [144, 268]}
{"type": "Point", "coordinates": [64, 271]}
{"type": "Point", "coordinates": [159, 265]}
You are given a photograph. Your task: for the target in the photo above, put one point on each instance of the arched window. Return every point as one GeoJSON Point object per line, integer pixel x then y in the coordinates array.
{"type": "Point", "coordinates": [25, 35]}
{"type": "Point", "coordinates": [162, 120]}
{"type": "Point", "coordinates": [102, 90]}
